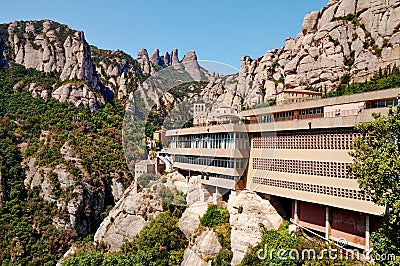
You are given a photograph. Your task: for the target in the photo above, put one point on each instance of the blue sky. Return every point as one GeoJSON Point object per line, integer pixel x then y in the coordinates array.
{"type": "Point", "coordinates": [218, 30]}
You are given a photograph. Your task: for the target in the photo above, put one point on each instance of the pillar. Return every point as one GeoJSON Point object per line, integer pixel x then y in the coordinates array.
{"type": "Point", "coordinates": [367, 233]}
{"type": "Point", "coordinates": [296, 210]}
{"type": "Point", "coordinates": [327, 223]}
{"type": "Point", "coordinates": [216, 195]}
{"type": "Point", "coordinates": [200, 188]}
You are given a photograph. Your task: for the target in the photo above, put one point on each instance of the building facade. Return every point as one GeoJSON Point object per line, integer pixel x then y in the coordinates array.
{"type": "Point", "coordinates": [290, 96]}
{"type": "Point", "coordinates": [144, 167]}
{"type": "Point", "coordinates": [297, 152]}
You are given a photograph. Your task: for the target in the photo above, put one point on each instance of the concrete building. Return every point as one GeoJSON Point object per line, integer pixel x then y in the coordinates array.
{"type": "Point", "coordinates": [219, 113]}
{"type": "Point", "coordinates": [296, 95]}
{"type": "Point", "coordinates": [297, 153]}
{"type": "Point", "coordinates": [160, 135]}
{"type": "Point", "coordinates": [144, 167]}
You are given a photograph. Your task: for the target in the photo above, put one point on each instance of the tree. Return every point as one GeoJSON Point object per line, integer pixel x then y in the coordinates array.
{"type": "Point", "coordinates": [377, 167]}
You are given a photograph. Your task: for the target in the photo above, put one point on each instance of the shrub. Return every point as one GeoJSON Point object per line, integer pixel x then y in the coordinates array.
{"type": "Point", "coordinates": [223, 258]}
{"type": "Point", "coordinates": [214, 216]}
{"type": "Point", "coordinates": [145, 179]}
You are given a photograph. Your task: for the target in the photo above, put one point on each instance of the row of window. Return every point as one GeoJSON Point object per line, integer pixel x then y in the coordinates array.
{"type": "Point", "coordinates": [319, 189]}
{"type": "Point", "coordinates": [316, 139]}
{"type": "Point", "coordinates": [284, 114]}
{"type": "Point", "coordinates": [329, 169]}
{"type": "Point", "coordinates": [211, 141]}
{"type": "Point", "coordinates": [208, 175]}
{"type": "Point", "coordinates": [318, 110]}
{"type": "Point", "coordinates": [211, 161]}
{"type": "Point", "coordinates": [383, 103]}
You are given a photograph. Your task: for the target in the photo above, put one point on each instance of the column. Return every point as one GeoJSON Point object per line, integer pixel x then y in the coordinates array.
{"type": "Point", "coordinates": [200, 188]}
{"type": "Point", "coordinates": [327, 223]}
{"type": "Point", "coordinates": [367, 232]}
{"type": "Point", "coordinates": [215, 196]}
{"type": "Point", "coordinates": [296, 209]}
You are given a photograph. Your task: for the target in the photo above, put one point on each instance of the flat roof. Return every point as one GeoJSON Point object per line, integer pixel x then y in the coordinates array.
{"type": "Point", "coordinates": [301, 91]}
{"type": "Point", "coordinates": [144, 162]}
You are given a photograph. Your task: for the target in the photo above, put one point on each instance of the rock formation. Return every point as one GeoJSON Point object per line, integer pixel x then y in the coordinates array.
{"type": "Point", "coordinates": [247, 211]}
{"type": "Point", "coordinates": [346, 37]}
{"type": "Point", "coordinates": [48, 46]}
{"type": "Point", "coordinates": [205, 247]}
{"type": "Point", "coordinates": [156, 59]}
{"type": "Point", "coordinates": [190, 220]}
{"type": "Point", "coordinates": [128, 217]}
{"type": "Point", "coordinates": [174, 57]}
{"type": "Point", "coordinates": [54, 183]}
{"type": "Point", "coordinates": [191, 65]}
{"type": "Point", "coordinates": [145, 63]}
{"type": "Point", "coordinates": [80, 95]}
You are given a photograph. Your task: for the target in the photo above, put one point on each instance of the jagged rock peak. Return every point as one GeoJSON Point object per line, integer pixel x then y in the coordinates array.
{"type": "Point", "coordinates": [167, 59]}
{"type": "Point", "coordinates": [174, 57]}
{"type": "Point", "coordinates": [142, 54]}
{"type": "Point", "coordinates": [156, 59]}
{"type": "Point", "coordinates": [190, 56]}
{"type": "Point", "coordinates": [191, 65]}
{"type": "Point", "coordinates": [49, 46]}
{"type": "Point", "coordinates": [144, 62]}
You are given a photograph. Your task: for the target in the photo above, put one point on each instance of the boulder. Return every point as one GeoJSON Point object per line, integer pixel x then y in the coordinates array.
{"type": "Point", "coordinates": [205, 248]}
{"type": "Point", "coordinates": [247, 211]}
{"type": "Point", "coordinates": [190, 220]}
{"type": "Point", "coordinates": [128, 217]}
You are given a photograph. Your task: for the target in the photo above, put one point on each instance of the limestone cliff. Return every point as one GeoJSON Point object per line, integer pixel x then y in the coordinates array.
{"type": "Point", "coordinates": [78, 203]}
{"type": "Point", "coordinates": [50, 47]}
{"type": "Point", "coordinates": [347, 37]}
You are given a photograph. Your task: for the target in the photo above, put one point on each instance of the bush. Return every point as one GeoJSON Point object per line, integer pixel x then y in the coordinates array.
{"type": "Point", "coordinates": [145, 179]}
{"type": "Point", "coordinates": [223, 258]}
{"type": "Point", "coordinates": [214, 216]}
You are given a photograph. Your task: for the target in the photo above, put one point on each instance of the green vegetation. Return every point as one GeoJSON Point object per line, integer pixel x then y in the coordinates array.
{"type": "Point", "coordinates": [270, 102]}
{"type": "Point", "coordinates": [349, 60]}
{"type": "Point", "coordinates": [173, 200]}
{"type": "Point", "coordinates": [144, 180]}
{"type": "Point", "coordinates": [384, 79]}
{"type": "Point", "coordinates": [223, 232]}
{"type": "Point", "coordinates": [28, 236]}
{"type": "Point", "coordinates": [217, 217]}
{"type": "Point", "coordinates": [26, 220]}
{"type": "Point", "coordinates": [377, 168]}
{"type": "Point", "coordinates": [349, 17]}
{"type": "Point", "coordinates": [160, 242]}
{"type": "Point", "coordinates": [214, 216]}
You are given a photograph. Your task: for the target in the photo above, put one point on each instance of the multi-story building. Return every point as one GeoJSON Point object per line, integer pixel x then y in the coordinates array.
{"type": "Point", "coordinates": [298, 153]}
{"type": "Point", "coordinates": [289, 96]}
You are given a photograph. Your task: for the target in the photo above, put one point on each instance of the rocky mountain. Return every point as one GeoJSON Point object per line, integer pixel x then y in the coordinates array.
{"type": "Point", "coordinates": [71, 161]}
{"type": "Point", "coordinates": [352, 38]}
{"type": "Point", "coordinates": [346, 38]}
{"type": "Point", "coordinates": [90, 76]}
